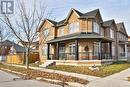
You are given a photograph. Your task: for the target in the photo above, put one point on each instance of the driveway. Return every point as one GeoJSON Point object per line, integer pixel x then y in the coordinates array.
{"type": "Point", "coordinates": [6, 80]}
{"type": "Point", "coordinates": [115, 80]}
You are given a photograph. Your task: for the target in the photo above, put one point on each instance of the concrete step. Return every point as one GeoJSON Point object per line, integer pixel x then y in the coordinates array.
{"type": "Point", "coordinates": [47, 63]}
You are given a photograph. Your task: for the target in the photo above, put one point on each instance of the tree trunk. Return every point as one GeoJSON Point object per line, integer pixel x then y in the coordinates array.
{"type": "Point", "coordinates": [27, 58]}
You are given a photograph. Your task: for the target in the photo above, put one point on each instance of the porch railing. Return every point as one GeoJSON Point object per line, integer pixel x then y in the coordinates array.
{"type": "Point", "coordinates": [82, 56]}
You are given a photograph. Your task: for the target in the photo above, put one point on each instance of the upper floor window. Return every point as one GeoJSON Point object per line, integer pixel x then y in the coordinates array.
{"type": "Point", "coordinates": [73, 27]}
{"type": "Point", "coordinates": [46, 32]}
{"type": "Point", "coordinates": [111, 33]}
{"type": "Point", "coordinates": [96, 27]}
{"type": "Point", "coordinates": [61, 31]}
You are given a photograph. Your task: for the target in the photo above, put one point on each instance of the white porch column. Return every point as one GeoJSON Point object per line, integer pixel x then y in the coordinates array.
{"type": "Point", "coordinates": [126, 52]}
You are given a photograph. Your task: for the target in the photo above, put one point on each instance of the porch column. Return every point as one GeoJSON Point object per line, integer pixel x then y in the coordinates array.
{"type": "Point", "coordinates": [77, 50]}
{"type": "Point", "coordinates": [48, 51]}
{"type": "Point", "coordinates": [125, 50]}
{"type": "Point", "coordinates": [110, 49]}
{"type": "Point", "coordinates": [100, 50]}
{"type": "Point", "coordinates": [57, 50]}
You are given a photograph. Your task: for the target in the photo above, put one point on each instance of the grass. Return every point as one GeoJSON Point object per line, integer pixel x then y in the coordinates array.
{"type": "Point", "coordinates": [103, 71]}
{"type": "Point", "coordinates": [33, 74]}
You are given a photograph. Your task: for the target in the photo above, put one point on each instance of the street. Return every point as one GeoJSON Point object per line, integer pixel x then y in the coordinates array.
{"type": "Point", "coordinates": [6, 80]}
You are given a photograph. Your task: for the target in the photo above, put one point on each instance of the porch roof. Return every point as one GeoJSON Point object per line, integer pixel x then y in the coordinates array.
{"type": "Point", "coordinates": [79, 36]}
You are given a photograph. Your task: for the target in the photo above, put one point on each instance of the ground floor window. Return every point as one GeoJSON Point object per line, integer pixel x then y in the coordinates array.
{"type": "Point", "coordinates": [62, 52]}
{"type": "Point", "coordinates": [72, 48]}
{"type": "Point", "coordinates": [95, 49]}
{"type": "Point", "coordinates": [44, 50]}
{"type": "Point", "coordinates": [113, 50]}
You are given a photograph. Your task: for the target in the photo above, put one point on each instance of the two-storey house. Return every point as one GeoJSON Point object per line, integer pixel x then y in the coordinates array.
{"type": "Point", "coordinates": [122, 41]}
{"type": "Point", "coordinates": [79, 39]}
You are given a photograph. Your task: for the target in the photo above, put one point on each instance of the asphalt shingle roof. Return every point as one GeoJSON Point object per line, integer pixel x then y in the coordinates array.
{"type": "Point", "coordinates": [108, 23]}
{"type": "Point", "coordinates": [121, 28]}
{"type": "Point", "coordinates": [90, 14]}
{"type": "Point", "coordinates": [17, 47]}
{"type": "Point", "coordinates": [78, 36]}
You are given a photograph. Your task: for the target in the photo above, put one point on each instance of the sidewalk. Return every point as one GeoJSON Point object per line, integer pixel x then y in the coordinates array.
{"type": "Point", "coordinates": [115, 80]}
{"type": "Point", "coordinates": [81, 76]}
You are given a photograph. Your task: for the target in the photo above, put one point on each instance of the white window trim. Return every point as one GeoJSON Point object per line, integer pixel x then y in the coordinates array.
{"type": "Point", "coordinates": [73, 27]}
{"type": "Point", "coordinates": [111, 33]}
{"type": "Point", "coordinates": [96, 27]}
{"type": "Point", "coordinates": [46, 32]}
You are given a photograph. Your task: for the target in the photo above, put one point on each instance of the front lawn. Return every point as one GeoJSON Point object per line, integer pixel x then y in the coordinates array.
{"type": "Point", "coordinates": [105, 70]}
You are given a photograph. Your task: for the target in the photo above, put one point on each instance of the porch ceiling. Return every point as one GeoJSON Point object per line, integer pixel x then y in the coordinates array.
{"type": "Point", "coordinates": [80, 36]}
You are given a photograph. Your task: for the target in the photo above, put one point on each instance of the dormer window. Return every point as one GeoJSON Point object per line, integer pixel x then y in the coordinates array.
{"type": "Point", "coordinates": [96, 27]}
{"type": "Point", "coordinates": [73, 27]}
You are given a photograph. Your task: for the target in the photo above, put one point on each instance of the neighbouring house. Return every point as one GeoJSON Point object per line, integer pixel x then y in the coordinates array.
{"type": "Point", "coordinates": [80, 39]}
{"type": "Point", "coordinates": [122, 41]}
{"type": "Point", "coordinates": [34, 49]}
{"type": "Point", "coordinates": [34, 46]}
{"type": "Point", "coordinates": [14, 53]}
{"type": "Point", "coordinates": [6, 47]}
{"type": "Point", "coordinates": [128, 47]}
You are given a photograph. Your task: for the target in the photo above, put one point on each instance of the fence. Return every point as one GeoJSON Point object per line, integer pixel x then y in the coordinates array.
{"type": "Point", "coordinates": [20, 58]}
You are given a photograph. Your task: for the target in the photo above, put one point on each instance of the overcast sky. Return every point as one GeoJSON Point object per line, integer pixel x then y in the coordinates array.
{"type": "Point", "coordinates": [110, 9]}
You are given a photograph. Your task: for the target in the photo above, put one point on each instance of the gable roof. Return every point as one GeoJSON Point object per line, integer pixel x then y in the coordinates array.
{"type": "Point", "coordinates": [108, 23]}
{"type": "Point", "coordinates": [73, 10]}
{"type": "Point", "coordinates": [121, 27]}
{"type": "Point", "coordinates": [60, 22]}
{"type": "Point", "coordinates": [50, 21]}
{"type": "Point", "coordinates": [91, 14]}
{"type": "Point", "coordinates": [17, 47]}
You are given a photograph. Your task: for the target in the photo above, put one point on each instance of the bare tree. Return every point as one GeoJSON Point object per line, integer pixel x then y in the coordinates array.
{"type": "Point", "coordinates": [4, 33]}
{"type": "Point", "coordinates": [25, 25]}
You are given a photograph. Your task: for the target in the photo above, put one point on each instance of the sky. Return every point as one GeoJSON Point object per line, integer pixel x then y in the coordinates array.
{"type": "Point", "coordinates": [119, 10]}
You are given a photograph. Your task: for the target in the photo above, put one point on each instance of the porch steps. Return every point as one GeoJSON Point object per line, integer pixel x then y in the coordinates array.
{"type": "Point", "coordinates": [47, 63]}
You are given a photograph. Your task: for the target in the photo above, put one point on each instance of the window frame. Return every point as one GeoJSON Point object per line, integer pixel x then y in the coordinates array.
{"type": "Point", "coordinates": [73, 27]}
{"type": "Point", "coordinates": [44, 50]}
{"type": "Point", "coordinates": [96, 27]}
{"type": "Point", "coordinates": [46, 32]}
{"type": "Point", "coordinates": [112, 33]}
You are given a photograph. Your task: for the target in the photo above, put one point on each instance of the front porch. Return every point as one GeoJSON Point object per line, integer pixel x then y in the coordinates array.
{"type": "Point", "coordinates": [80, 49]}
{"type": "Point", "coordinates": [123, 51]}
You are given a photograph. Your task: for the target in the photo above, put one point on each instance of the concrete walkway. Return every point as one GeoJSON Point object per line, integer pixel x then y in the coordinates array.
{"type": "Point", "coordinates": [81, 76]}
{"type": "Point", "coordinates": [115, 80]}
